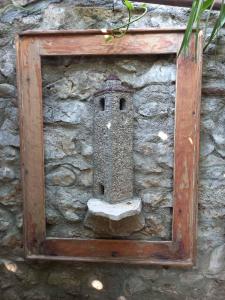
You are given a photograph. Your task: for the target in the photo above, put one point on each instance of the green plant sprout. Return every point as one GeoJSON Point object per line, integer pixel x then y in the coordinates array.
{"type": "Point", "coordinates": [121, 30]}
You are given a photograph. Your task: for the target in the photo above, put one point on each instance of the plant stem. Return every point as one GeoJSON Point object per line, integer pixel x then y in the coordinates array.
{"type": "Point", "coordinates": [131, 21]}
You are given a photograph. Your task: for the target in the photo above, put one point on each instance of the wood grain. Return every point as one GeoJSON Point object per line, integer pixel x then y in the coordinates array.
{"type": "Point", "coordinates": [180, 263]}
{"type": "Point", "coordinates": [95, 44]}
{"type": "Point", "coordinates": [186, 152]}
{"type": "Point", "coordinates": [31, 146]}
{"type": "Point", "coordinates": [111, 248]}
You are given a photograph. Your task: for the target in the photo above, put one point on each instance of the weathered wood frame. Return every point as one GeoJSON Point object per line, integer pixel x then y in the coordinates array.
{"type": "Point", "coordinates": [180, 251]}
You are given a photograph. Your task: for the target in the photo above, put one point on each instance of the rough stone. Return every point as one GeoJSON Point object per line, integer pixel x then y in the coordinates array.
{"type": "Point", "coordinates": [23, 2]}
{"type": "Point", "coordinates": [7, 90]}
{"type": "Point", "coordinates": [54, 17]}
{"type": "Point", "coordinates": [163, 72]}
{"type": "Point", "coordinates": [71, 216]}
{"type": "Point", "coordinates": [106, 227]}
{"type": "Point", "coordinates": [156, 198]}
{"type": "Point", "coordinates": [217, 261]}
{"type": "Point", "coordinates": [61, 176]}
{"type": "Point", "coordinates": [86, 149]}
{"type": "Point", "coordinates": [65, 279]}
{"type": "Point", "coordinates": [69, 112]}
{"type": "Point", "coordinates": [134, 285]}
{"type": "Point", "coordinates": [6, 174]}
{"type": "Point", "coordinates": [153, 109]}
{"type": "Point", "coordinates": [8, 139]}
{"type": "Point", "coordinates": [86, 178]}
{"type": "Point", "coordinates": [11, 294]}
{"type": "Point", "coordinates": [7, 63]}
{"type": "Point", "coordinates": [36, 294]}
{"type": "Point", "coordinates": [52, 216]}
{"type": "Point", "coordinates": [67, 199]}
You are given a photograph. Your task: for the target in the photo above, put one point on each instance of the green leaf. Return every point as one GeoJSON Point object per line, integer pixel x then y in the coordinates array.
{"type": "Point", "coordinates": [207, 4]}
{"type": "Point", "coordinates": [128, 4]}
{"type": "Point", "coordinates": [191, 21]}
{"type": "Point", "coordinates": [218, 25]}
{"type": "Point", "coordinates": [197, 10]}
{"type": "Point", "coordinates": [108, 38]}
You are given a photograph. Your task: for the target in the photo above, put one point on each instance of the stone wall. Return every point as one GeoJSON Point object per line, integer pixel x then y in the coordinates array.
{"type": "Point", "coordinates": [68, 88]}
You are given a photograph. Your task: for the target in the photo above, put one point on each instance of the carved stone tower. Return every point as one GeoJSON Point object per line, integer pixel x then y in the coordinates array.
{"type": "Point", "coordinates": [113, 142]}
{"type": "Point", "coordinates": [113, 154]}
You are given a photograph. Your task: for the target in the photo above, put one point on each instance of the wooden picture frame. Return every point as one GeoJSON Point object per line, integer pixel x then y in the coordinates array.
{"type": "Point", "coordinates": [180, 251]}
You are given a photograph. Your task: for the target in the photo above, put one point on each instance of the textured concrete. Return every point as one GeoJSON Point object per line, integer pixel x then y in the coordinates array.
{"type": "Point", "coordinates": [113, 141]}
{"type": "Point", "coordinates": [113, 156]}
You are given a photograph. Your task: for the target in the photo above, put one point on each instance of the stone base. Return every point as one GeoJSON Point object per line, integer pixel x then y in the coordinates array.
{"type": "Point", "coordinates": [115, 211]}
{"type": "Point", "coordinates": [108, 228]}
{"type": "Point", "coordinates": [119, 219]}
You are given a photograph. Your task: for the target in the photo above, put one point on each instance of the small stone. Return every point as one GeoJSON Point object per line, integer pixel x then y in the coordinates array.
{"type": "Point", "coordinates": [11, 294]}
{"type": "Point", "coordinates": [217, 260]}
{"type": "Point", "coordinates": [71, 216]}
{"type": "Point", "coordinates": [61, 176]}
{"type": "Point", "coordinates": [8, 139]}
{"type": "Point", "coordinates": [148, 274]}
{"type": "Point", "coordinates": [219, 138]}
{"type": "Point", "coordinates": [157, 198]}
{"type": "Point", "coordinates": [7, 63]}
{"type": "Point", "coordinates": [207, 145]}
{"type": "Point", "coordinates": [8, 153]}
{"type": "Point", "coordinates": [6, 174]}
{"type": "Point", "coordinates": [146, 164]}
{"type": "Point", "coordinates": [67, 199]}
{"type": "Point", "coordinates": [23, 2]}
{"type": "Point", "coordinates": [5, 222]}
{"type": "Point", "coordinates": [36, 294]}
{"type": "Point", "coordinates": [154, 180]}
{"type": "Point", "coordinates": [53, 17]}
{"type": "Point", "coordinates": [192, 279]}
{"type": "Point", "coordinates": [86, 149]}
{"type": "Point", "coordinates": [7, 90]}
{"type": "Point", "coordinates": [67, 280]}
{"type": "Point", "coordinates": [152, 109]}
{"type": "Point", "coordinates": [134, 285]}
{"type": "Point", "coordinates": [127, 65]}
{"type": "Point", "coordinates": [52, 217]}
{"type": "Point", "coordinates": [72, 112]}
{"type": "Point", "coordinates": [115, 211]}
{"type": "Point", "coordinates": [86, 178]}
{"type": "Point", "coordinates": [19, 220]}
{"type": "Point", "coordinates": [161, 71]}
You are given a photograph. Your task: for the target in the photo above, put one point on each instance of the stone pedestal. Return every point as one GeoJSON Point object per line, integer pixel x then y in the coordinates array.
{"type": "Point", "coordinates": [116, 211]}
